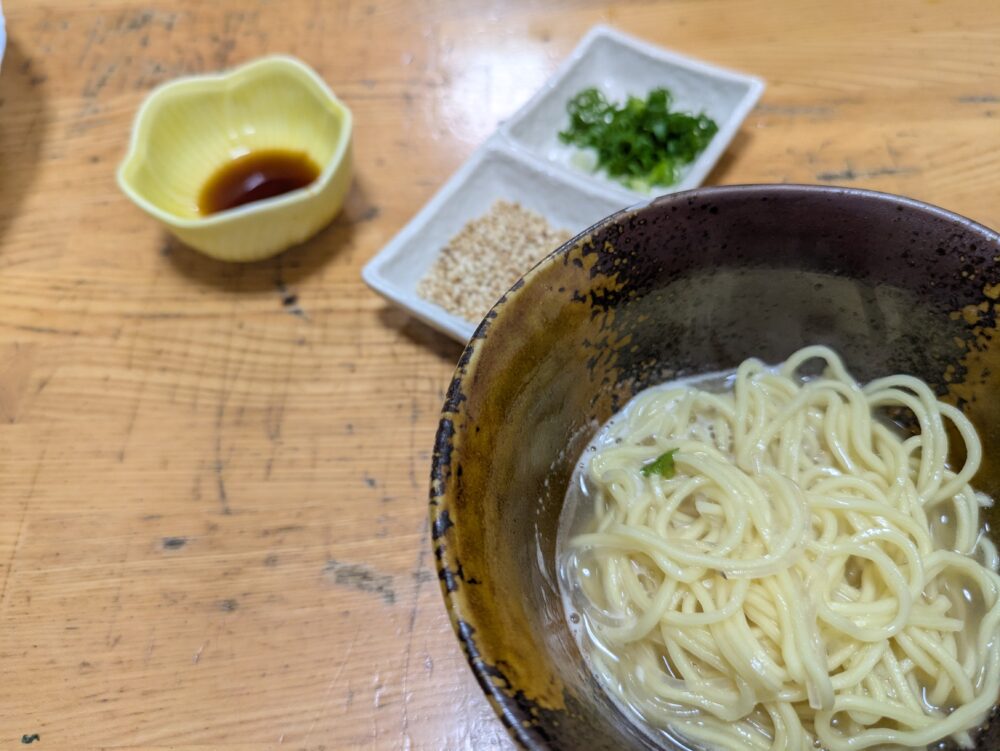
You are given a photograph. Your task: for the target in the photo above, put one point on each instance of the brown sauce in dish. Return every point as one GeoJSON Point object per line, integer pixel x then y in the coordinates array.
{"type": "Point", "coordinates": [254, 177]}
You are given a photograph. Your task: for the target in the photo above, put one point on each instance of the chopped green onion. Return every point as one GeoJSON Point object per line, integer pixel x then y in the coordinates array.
{"type": "Point", "coordinates": [641, 143]}
{"type": "Point", "coordinates": [662, 465]}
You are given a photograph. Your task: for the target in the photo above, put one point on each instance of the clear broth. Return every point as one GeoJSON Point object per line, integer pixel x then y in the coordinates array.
{"type": "Point", "coordinates": [576, 517]}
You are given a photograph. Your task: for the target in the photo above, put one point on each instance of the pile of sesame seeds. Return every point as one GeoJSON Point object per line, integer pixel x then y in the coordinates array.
{"type": "Point", "coordinates": [486, 257]}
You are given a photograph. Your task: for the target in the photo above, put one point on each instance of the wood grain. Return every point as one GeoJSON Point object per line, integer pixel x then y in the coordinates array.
{"type": "Point", "coordinates": [214, 529]}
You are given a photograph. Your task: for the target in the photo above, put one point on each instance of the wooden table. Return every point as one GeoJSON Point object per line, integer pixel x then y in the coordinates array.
{"type": "Point", "coordinates": [214, 477]}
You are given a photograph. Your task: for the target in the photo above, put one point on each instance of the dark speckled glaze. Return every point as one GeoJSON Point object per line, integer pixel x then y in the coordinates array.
{"type": "Point", "coordinates": [692, 282]}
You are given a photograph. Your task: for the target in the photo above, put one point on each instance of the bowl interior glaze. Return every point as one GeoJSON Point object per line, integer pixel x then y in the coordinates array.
{"type": "Point", "coordinates": [690, 283]}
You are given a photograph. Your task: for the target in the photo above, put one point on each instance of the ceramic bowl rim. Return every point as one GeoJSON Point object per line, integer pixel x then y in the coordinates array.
{"type": "Point", "coordinates": [447, 442]}
{"type": "Point", "coordinates": [214, 84]}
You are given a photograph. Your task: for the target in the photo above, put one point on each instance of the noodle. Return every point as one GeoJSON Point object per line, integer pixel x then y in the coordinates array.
{"type": "Point", "coordinates": [802, 576]}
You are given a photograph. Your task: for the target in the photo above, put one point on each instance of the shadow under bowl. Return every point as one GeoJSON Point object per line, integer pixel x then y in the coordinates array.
{"type": "Point", "coordinates": [691, 283]}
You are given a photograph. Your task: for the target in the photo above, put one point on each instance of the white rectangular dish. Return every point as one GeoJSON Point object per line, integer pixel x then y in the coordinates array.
{"type": "Point", "coordinates": [494, 172]}
{"type": "Point", "coordinates": [525, 162]}
{"type": "Point", "coordinates": [620, 65]}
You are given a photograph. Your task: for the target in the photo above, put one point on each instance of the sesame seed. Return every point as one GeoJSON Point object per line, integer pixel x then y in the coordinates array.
{"type": "Point", "coordinates": [486, 257]}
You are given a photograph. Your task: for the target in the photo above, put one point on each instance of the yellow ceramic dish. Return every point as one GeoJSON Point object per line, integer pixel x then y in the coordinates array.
{"type": "Point", "coordinates": [189, 128]}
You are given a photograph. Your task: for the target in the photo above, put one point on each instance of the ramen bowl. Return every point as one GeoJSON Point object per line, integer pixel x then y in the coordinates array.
{"type": "Point", "coordinates": [690, 283]}
{"type": "Point", "coordinates": [190, 128]}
